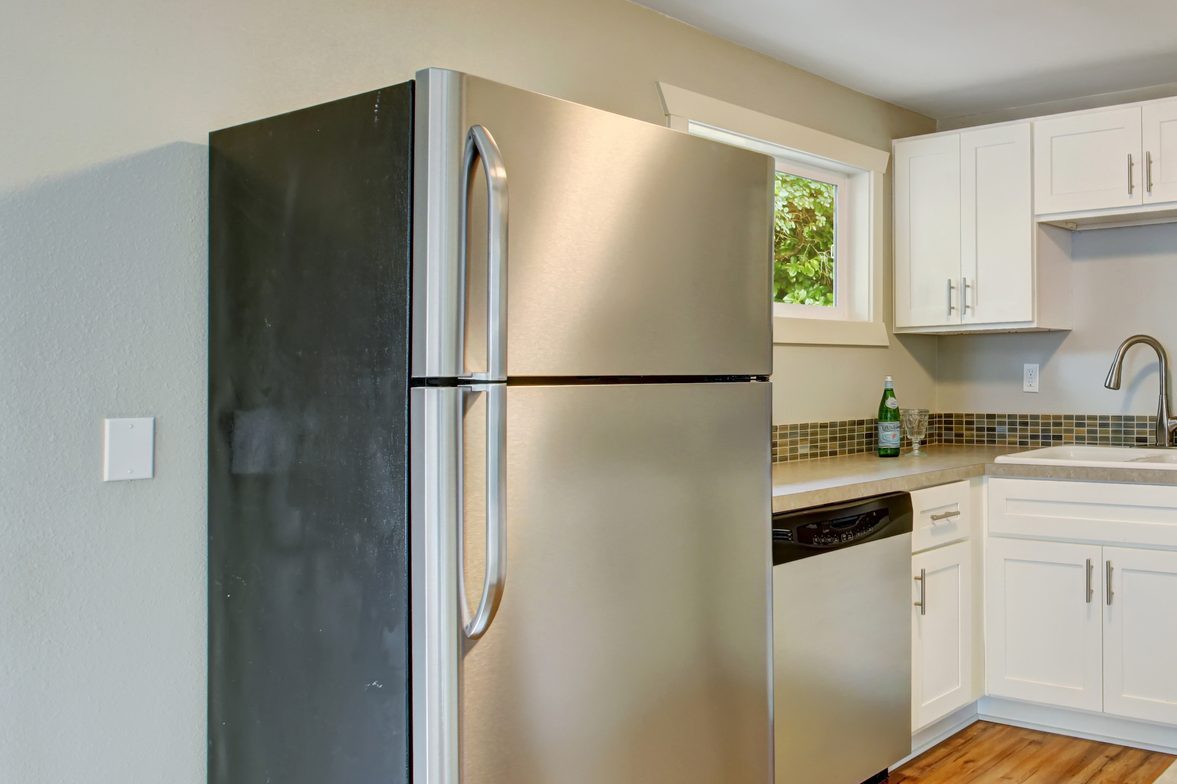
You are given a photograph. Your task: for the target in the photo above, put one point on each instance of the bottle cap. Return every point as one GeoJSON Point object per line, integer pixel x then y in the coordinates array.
{"type": "Point", "coordinates": [888, 382]}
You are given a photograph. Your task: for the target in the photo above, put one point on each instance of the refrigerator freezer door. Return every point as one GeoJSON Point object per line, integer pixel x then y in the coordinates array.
{"type": "Point", "coordinates": [632, 249]}
{"type": "Point", "coordinates": [632, 644]}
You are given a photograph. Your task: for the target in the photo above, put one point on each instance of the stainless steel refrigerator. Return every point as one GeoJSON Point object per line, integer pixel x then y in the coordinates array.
{"type": "Point", "coordinates": [500, 515]}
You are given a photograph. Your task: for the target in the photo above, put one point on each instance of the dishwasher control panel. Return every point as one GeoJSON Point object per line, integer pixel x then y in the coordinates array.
{"type": "Point", "coordinates": [843, 531]}
{"type": "Point", "coordinates": [798, 535]}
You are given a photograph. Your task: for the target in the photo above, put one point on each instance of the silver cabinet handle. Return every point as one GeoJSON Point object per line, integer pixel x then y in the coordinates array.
{"type": "Point", "coordinates": [475, 624]}
{"type": "Point", "coordinates": [923, 581]}
{"type": "Point", "coordinates": [951, 289]}
{"type": "Point", "coordinates": [964, 295]}
{"type": "Point", "coordinates": [1109, 583]}
{"type": "Point", "coordinates": [1147, 172]}
{"type": "Point", "coordinates": [1090, 586]}
{"type": "Point", "coordinates": [945, 515]}
{"type": "Point", "coordinates": [1130, 164]}
{"type": "Point", "coordinates": [480, 146]}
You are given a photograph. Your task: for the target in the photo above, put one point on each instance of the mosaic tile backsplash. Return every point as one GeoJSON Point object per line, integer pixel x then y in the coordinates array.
{"type": "Point", "coordinates": [810, 440]}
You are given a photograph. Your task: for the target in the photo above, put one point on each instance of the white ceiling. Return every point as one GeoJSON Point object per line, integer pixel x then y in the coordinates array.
{"type": "Point", "coordinates": [948, 58]}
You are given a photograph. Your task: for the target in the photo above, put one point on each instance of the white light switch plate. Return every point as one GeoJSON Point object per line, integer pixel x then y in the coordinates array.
{"type": "Point", "coordinates": [128, 450]}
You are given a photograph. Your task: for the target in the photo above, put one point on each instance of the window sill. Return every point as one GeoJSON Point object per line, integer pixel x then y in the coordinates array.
{"type": "Point", "coordinates": [824, 332]}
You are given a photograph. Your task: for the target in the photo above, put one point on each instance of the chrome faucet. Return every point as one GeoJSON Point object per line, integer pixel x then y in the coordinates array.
{"type": "Point", "coordinates": [1166, 425]}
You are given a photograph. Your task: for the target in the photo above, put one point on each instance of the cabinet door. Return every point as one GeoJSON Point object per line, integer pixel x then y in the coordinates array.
{"type": "Point", "coordinates": [996, 249]}
{"type": "Point", "coordinates": [927, 231]}
{"type": "Point", "coordinates": [942, 645]}
{"type": "Point", "coordinates": [1159, 130]}
{"type": "Point", "coordinates": [1140, 634]}
{"type": "Point", "coordinates": [1087, 161]}
{"type": "Point", "coordinates": [1044, 622]}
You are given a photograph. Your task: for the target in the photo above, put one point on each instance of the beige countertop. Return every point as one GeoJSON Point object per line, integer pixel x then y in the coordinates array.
{"type": "Point", "coordinates": [833, 480]}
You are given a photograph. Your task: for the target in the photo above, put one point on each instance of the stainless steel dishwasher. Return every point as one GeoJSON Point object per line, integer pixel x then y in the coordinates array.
{"type": "Point", "coordinates": [841, 584]}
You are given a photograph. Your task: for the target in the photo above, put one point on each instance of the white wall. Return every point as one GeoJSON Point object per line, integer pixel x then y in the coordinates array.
{"type": "Point", "coordinates": [103, 296]}
{"type": "Point", "coordinates": [1124, 281]}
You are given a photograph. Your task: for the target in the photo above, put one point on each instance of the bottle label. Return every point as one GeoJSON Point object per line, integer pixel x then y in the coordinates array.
{"type": "Point", "coordinates": [892, 402]}
{"type": "Point", "coordinates": [888, 435]}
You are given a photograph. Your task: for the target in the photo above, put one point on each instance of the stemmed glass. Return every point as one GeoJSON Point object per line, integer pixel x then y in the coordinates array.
{"type": "Point", "coordinates": [915, 426]}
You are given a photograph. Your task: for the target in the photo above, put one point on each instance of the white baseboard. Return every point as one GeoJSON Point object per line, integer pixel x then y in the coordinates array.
{"type": "Point", "coordinates": [1079, 724]}
{"type": "Point", "coordinates": [939, 731]}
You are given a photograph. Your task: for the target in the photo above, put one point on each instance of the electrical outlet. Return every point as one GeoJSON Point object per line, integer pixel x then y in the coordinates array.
{"type": "Point", "coordinates": [1029, 378]}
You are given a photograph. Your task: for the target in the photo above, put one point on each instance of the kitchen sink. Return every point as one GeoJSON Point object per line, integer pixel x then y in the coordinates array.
{"type": "Point", "coordinates": [1097, 457]}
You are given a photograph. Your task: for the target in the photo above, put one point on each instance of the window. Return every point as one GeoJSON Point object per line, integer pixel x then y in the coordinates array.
{"type": "Point", "coordinates": [808, 242]}
{"type": "Point", "coordinates": [827, 208]}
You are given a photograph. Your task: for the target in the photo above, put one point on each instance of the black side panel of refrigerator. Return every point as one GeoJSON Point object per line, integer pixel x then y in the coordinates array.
{"type": "Point", "coordinates": [309, 281]}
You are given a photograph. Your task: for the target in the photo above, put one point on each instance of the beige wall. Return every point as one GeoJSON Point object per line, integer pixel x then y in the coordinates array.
{"type": "Point", "coordinates": [102, 306]}
{"type": "Point", "coordinates": [1123, 282]}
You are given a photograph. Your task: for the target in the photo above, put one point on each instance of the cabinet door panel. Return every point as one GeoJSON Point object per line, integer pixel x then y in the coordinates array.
{"type": "Point", "coordinates": [997, 265]}
{"type": "Point", "coordinates": [1044, 628]}
{"type": "Point", "coordinates": [927, 231]}
{"type": "Point", "coordinates": [1160, 145]}
{"type": "Point", "coordinates": [1140, 635]}
{"type": "Point", "coordinates": [1081, 161]}
{"type": "Point", "coordinates": [942, 658]}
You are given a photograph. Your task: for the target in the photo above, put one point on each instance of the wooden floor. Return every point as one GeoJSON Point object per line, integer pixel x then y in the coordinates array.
{"type": "Point", "coordinates": [987, 753]}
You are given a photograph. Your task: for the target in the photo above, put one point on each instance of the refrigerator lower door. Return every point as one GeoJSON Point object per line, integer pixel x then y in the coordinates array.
{"type": "Point", "coordinates": [629, 249]}
{"type": "Point", "coordinates": [632, 644]}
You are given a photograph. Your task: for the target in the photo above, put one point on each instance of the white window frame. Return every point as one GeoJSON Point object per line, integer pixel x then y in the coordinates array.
{"type": "Point", "coordinates": [843, 221]}
{"type": "Point", "coordinates": [797, 149]}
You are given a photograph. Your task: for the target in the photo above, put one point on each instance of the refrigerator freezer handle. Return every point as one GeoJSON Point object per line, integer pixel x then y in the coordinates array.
{"type": "Point", "coordinates": [481, 146]}
{"type": "Point", "coordinates": [475, 624]}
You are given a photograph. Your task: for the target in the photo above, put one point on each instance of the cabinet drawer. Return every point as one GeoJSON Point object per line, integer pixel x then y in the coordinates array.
{"type": "Point", "coordinates": [1115, 514]}
{"type": "Point", "coordinates": [941, 515]}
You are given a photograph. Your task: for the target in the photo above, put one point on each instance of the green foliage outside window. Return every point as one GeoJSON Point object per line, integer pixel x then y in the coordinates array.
{"type": "Point", "coordinates": [803, 241]}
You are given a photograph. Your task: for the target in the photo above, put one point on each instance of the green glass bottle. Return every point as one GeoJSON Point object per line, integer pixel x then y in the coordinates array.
{"type": "Point", "coordinates": [889, 421]}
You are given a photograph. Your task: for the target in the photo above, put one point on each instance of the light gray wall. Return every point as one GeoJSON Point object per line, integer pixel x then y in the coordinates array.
{"type": "Point", "coordinates": [1123, 281]}
{"type": "Point", "coordinates": [103, 292]}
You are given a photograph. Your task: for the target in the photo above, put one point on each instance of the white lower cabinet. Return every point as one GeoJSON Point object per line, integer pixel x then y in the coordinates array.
{"type": "Point", "coordinates": [1087, 625]}
{"type": "Point", "coordinates": [942, 629]}
{"type": "Point", "coordinates": [1044, 639]}
{"type": "Point", "coordinates": [1140, 634]}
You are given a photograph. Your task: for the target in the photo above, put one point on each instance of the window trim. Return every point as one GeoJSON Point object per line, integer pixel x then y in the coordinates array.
{"type": "Point", "coordinates": [685, 108]}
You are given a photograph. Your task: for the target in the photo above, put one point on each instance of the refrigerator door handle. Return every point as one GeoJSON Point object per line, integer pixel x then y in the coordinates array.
{"type": "Point", "coordinates": [481, 147]}
{"type": "Point", "coordinates": [475, 624]}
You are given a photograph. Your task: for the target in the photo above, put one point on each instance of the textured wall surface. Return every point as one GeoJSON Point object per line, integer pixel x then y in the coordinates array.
{"type": "Point", "coordinates": [1122, 282]}
{"type": "Point", "coordinates": [103, 298]}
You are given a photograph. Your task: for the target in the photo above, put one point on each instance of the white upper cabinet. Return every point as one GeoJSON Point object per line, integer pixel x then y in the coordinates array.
{"type": "Point", "coordinates": [996, 240]}
{"type": "Point", "coordinates": [1159, 131]}
{"type": "Point", "coordinates": [1088, 161]}
{"type": "Point", "coordinates": [967, 255]}
{"type": "Point", "coordinates": [927, 231]}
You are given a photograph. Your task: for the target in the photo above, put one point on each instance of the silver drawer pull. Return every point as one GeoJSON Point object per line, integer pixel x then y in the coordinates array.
{"type": "Point", "coordinates": [945, 515]}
